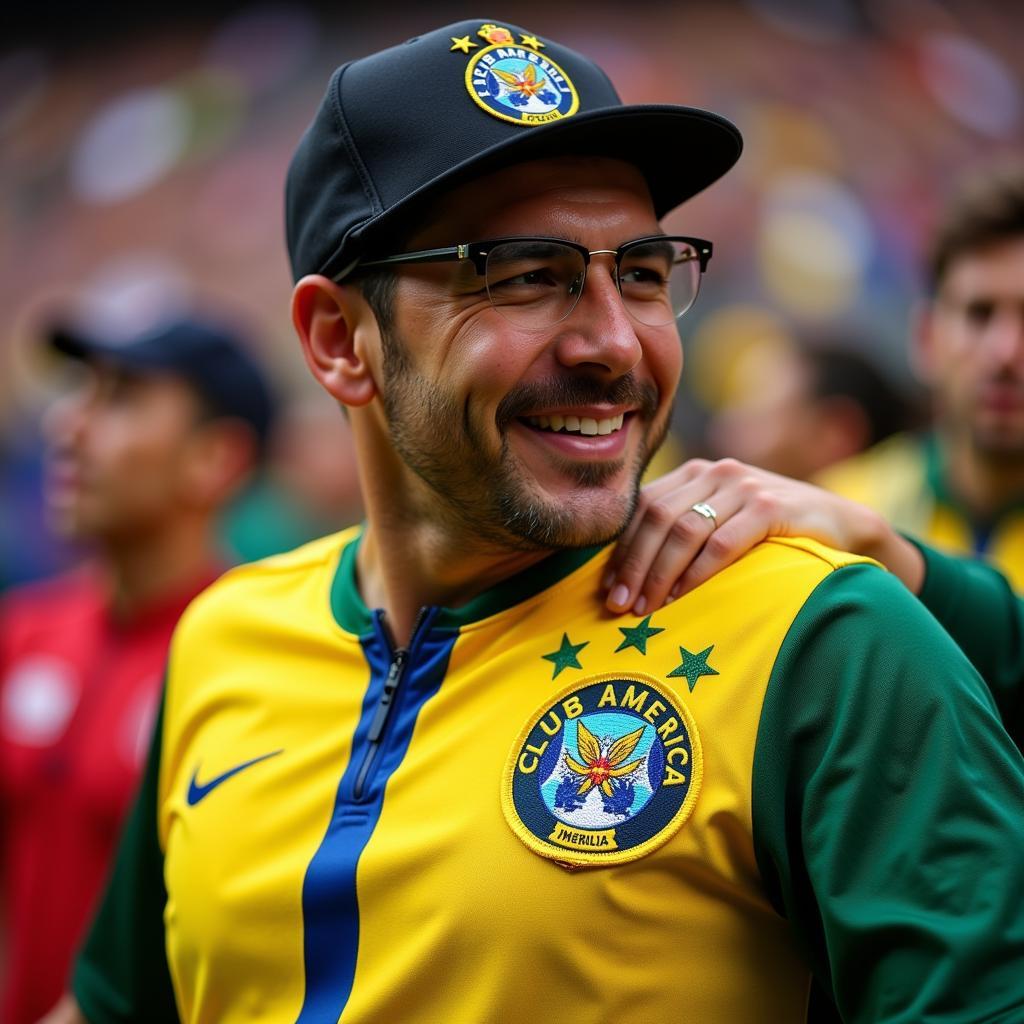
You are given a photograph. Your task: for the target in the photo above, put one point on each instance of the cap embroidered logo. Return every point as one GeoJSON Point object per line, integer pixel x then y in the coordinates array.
{"type": "Point", "coordinates": [517, 83]}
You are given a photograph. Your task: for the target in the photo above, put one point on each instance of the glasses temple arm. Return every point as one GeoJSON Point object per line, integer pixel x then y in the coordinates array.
{"type": "Point", "coordinates": [454, 252]}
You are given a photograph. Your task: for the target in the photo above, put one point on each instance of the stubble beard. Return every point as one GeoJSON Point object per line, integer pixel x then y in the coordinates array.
{"type": "Point", "coordinates": [488, 499]}
{"type": "Point", "coordinates": [999, 446]}
{"type": "Point", "coordinates": [995, 448]}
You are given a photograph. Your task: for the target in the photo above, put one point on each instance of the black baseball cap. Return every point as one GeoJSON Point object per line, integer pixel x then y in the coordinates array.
{"type": "Point", "coordinates": [207, 355]}
{"type": "Point", "coordinates": [399, 127]}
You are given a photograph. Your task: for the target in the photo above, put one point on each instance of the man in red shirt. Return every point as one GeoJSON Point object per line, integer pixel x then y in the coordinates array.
{"type": "Point", "coordinates": [143, 455]}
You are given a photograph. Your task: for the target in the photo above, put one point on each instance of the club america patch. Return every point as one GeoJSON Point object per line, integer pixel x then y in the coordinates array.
{"type": "Point", "coordinates": [605, 773]}
{"type": "Point", "coordinates": [515, 81]}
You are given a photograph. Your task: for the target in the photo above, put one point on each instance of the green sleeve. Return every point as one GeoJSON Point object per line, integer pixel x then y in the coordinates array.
{"type": "Point", "coordinates": [979, 609]}
{"type": "Point", "coordinates": [888, 811]}
{"type": "Point", "coordinates": [121, 973]}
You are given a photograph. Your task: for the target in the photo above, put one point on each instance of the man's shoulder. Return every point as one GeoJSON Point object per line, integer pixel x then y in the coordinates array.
{"type": "Point", "coordinates": [268, 587]}
{"type": "Point", "coordinates": [853, 600]}
{"type": "Point", "coordinates": [817, 575]}
{"type": "Point", "coordinates": [753, 605]}
{"type": "Point", "coordinates": [783, 564]}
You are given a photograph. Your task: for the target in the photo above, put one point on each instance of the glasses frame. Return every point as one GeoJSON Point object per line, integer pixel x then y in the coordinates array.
{"type": "Point", "coordinates": [477, 253]}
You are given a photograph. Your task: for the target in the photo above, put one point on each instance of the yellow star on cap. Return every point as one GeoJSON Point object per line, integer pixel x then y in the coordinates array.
{"type": "Point", "coordinates": [532, 41]}
{"type": "Point", "coordinates": [462, 44]}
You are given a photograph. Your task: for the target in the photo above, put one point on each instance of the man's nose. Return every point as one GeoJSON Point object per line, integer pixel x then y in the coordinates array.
{"type": "Point", "coordinates": [599, 332]}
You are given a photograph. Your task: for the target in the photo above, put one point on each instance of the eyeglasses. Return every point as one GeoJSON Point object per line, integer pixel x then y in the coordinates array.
{"type": "Point", "coordinates": [536, 282]}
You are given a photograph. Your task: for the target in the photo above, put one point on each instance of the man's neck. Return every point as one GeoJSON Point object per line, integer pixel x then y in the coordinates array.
{"type": "Point", "coordinates": [404, 567]}
{"type": "Point", "coordinates": [984, 485]}
{"type": "Point", "coordinates": [146, 569]}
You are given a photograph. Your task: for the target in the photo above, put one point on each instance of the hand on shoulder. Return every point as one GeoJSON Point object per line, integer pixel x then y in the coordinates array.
{"type": "Point", "coordinates": [671, 546]}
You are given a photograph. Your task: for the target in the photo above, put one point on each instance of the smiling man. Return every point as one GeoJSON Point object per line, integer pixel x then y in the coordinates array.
{"type": "Point", "coordinates": [415, 771]}
{"type": "Point", "coordinates": [961, 486]}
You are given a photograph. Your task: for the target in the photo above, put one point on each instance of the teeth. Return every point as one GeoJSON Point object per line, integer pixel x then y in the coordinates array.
{"type": "Point", "coordinates": [586, 425]}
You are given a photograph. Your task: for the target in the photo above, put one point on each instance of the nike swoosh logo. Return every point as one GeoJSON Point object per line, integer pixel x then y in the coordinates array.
{"type": "Point", "coordinates": [197, 791]}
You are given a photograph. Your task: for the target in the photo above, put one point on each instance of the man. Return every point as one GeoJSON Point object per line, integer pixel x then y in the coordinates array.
{"type": "Point", "coordinates": [414, 771]}
{"type": "Point", "coordinates": [143, 454]}
{"type": "Point", "coordinates": [963, 487]}
{"type": "Point", "coordinates": [803, 402]}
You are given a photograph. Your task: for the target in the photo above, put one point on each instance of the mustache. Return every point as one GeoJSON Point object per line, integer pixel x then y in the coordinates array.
{"type": "Point", "coordinates": [577, 390]}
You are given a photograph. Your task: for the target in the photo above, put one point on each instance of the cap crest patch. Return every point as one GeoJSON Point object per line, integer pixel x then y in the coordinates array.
{"type": "Point", "coordinates": [516, 82]}
{"type": "Point", "coordinates": [604, 773]}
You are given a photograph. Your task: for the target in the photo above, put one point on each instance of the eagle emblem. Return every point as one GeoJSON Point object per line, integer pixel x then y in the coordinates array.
{"type": "Point", "coordinates": [517, 82]}
{"type": "Point", "coordinates": [605, 773]}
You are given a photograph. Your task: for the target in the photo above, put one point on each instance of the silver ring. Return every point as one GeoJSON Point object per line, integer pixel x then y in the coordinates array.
{"type": "Point", "coordinates": [702, 508]}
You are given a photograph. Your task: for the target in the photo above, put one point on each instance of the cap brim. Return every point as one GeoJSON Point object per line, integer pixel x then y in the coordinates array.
{"type": "Point", "coordinates": [69, 344]}
{"type": "Point", "coordinates": [85, 348]}
{"type": "Point", "coordinates": [679, 150]}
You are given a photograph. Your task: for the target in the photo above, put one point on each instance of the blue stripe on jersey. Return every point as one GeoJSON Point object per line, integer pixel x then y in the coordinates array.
{"type": "Point", "coordinates": [330, 906]}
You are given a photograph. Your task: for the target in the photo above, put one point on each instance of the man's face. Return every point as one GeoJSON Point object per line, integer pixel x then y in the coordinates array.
{"type": "Point", "coordinates": [771, 419]}
{"type": "Point", "coordinates": [472, 400]}
{"type": "Point", "coordinates": [118, 451]}
{"type": "Point", "coordinates": [973, 349]}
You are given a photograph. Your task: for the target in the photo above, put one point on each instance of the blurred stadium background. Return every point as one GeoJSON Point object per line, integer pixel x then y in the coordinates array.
{"type": "Point", "coordinates": [142, 156]}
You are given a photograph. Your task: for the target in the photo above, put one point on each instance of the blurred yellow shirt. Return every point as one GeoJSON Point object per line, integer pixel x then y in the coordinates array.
{"type": "Point", "coordinates": [901, 478]}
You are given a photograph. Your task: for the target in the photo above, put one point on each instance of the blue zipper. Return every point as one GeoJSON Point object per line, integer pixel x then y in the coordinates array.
{"type": "Point", "coordinates": [388, 699]}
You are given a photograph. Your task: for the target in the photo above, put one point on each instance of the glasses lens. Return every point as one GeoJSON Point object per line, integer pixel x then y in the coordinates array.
{"type": "Point", "coordinates": [659, 279]}
{"type": "Point", "coordinates": [533, 282]}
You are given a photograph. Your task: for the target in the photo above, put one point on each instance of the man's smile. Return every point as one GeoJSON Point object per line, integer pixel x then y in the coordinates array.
{"type": "Point", "coordinates": [571, 424]}
{"type": "Point", "coordinates": [582, 433]}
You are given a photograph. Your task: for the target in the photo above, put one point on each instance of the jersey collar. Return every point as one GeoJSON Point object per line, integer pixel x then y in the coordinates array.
{"type": "Point", "coordinates": [352, 614]}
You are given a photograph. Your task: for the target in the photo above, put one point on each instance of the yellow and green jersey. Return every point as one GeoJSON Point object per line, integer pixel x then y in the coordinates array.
{"type": "Point", "coordinates": [903, 479]}
{"type": "Point", "coordinates": [539, 811]}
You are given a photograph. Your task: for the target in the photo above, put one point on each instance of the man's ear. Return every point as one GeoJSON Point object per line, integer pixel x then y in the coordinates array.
{"type": "Point", "coordinates": [337, 331]}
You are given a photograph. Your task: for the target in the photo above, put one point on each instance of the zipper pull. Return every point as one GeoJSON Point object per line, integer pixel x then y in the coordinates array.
{"type": "Point", "coordinates": [380, 716]}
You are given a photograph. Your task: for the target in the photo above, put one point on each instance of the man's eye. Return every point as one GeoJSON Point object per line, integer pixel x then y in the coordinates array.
{"type": "Point", "coordinates": [642, 275]}
{"type": "Point", "coordinates": [123, 390]}
{"type": "Point", "coordinates": [979, 313]}
{"type": "Point", "coordinates": [537, 277]}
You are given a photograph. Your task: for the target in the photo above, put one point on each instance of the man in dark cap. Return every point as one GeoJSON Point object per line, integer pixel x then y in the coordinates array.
{"type": "Point", "coordinates": [414, 771]}
{"type": "Point", "coordinates": [143, 454]}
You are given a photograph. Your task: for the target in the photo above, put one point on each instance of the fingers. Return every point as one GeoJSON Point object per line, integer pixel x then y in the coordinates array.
{"type": "Point", "coordinates": [666, 535]}
{"type": "Point", "coordinates": [651, 493]}
{"type": "Point", "coordinates": [670, 535]}
{"type": "Point", "coordinates": [669, 549]}
{"type": "Point", "coordinates": [733, 538]}
{"type": "Point", "coordinates": [686, 537]}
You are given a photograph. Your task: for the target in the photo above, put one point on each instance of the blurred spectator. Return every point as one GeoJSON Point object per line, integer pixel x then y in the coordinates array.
{"type": "Point", "coordinates": [160, 432]}
{"type": "Point", "coordinates": [962, 485]}
{"type": "Point", "coordinates": [802, 405]}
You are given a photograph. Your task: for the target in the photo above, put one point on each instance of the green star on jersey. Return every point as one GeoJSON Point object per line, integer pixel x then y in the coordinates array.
{"type": "Point", "coordinates": [637, 636]}
{"type": "Point", "coordinates": [565, 656]}
{"type": "Point", "coordinates": [694, 666]}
